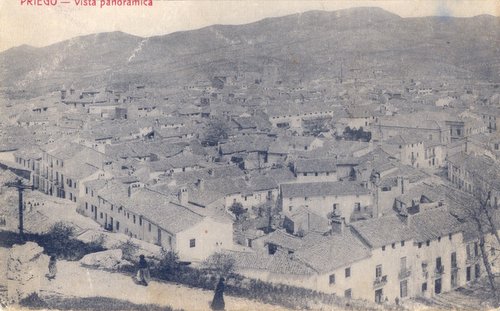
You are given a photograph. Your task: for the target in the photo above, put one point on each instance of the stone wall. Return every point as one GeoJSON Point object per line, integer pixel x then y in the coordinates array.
{"type": "Point", "coordinates": [25, 268]}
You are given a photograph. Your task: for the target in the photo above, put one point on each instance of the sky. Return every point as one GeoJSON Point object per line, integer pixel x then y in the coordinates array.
{"type": "Point", "coordinates": [44, 25]}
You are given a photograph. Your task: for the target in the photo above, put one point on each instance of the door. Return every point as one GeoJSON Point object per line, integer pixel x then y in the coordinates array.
{"type": "Point", "coordinates": [159, 236]}
{"type": "Point", "coordinates": [379, 294]}
{"type": "Point", "coordinates": [437, 286]}
{"type": "Point", "coordinates": [454, 278]}
{"type": "Point", "coordinates": [95, 213]}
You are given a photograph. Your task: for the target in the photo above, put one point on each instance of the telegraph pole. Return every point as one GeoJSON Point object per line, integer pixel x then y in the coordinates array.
{"type": "Point", "coordinates": [20, 189]}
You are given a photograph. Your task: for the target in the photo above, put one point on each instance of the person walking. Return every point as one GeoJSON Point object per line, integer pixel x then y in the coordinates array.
{"type": "Point", "coordinates": [218, 301]}
{"type": "Point", "coordinates": [52, 268]}
{"type": "Point", "coordinates": [143, 273]}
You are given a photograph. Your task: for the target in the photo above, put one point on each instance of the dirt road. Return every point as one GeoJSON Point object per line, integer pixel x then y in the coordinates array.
{"type": "Point", "coordinates": [74, 280]}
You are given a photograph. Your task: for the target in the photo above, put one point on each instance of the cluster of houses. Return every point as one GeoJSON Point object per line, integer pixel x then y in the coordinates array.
{"type": "Point", "coordinates": [283, 191]}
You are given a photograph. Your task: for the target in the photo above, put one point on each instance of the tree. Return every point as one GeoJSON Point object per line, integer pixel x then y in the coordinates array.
{"type": "Point", "coordinates": [477, 210]}
{"type": "Point", "coordinates": [169, 262]}
{"type": "Point", "coordinates": [217, 131]}
{"type": "Point", "coordinates": [317, 126]}
{"type": "Point", "coordinates": [129, 249]}
{"type": "Point", "coordinates": [238, 210]}
{"type": "Point", "coordinates": [220, 263]}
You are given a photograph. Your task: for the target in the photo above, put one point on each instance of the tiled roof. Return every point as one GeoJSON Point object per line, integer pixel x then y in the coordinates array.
{"type": "Point", "coordinates": [336, 251]}
{"type": "Point", "coordinates": [280, 263]}
{"type": "Point", "coordinates": [316, 165]}
{"type": "Point", "coordinates": [434, 223]}
{"type": "Point", "coordinates": [283, 239]}
{"type": "Point", "coordinates": [382, 231]}
{"type": "Point", "coordinates": [340, 188]}
{"type": "Point", "coordinates": [159, 209]}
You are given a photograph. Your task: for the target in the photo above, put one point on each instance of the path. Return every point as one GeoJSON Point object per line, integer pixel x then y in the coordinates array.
{"type": "Point", "coordinates": [74, 280]}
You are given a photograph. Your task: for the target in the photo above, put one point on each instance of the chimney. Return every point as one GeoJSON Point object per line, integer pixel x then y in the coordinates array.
{"type": "Point", "coordinates": [183, 196]}
{"type": "Point", "coordinates": [338, 224]}
{"type": "Point", "coordinates": [200, 184]}
{"type": "Point", "coordinates": [402, 184]}
{"type": "Point", "coordinates": [405, 216]}
{"type": "Point", "coordinates": [132, 188]}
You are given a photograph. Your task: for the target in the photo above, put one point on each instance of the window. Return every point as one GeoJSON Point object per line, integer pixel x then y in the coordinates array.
{"type": "Point", "coordinates": [477, 271]}
{"type": "Point", "coordinates": [428, 243]}
{"type": "Point", "coordinates": [403, 288]}
{"type": "Point", "coordinates": [332, 279]}
{"type": "Point", "coordinates": [192, 243]}
{"type": "Point", "coordinates": [419, 244]}
{"type": "Point", "coordinates": [393, 245]}
{"type": "Point", "coordinates": [402, 263]}
{"type": "Point", "coordinates": [140, 221]}
{"type": "Point", "coordinates": [86, 205]}
{"type": "Point", "coordinates": [383, 248]}
{"type": "Point", "coordinates": [133, 218]}
{"type": "Point", "coordinates": [149, 227]}
{"type": "Point", "coordinates": [454, 260]}
{"type": "Point", "coordinates": [378, 271]}
{"type": "Point", "coordinates": [424, 287]}
{"type": "Point", "coordinates": [101, 215]}
{"type": "Point", "coordinates": [348, 293]}
{"type": "Point", "coordinates": [476, 249]}
{"type": "Point", "coordinates": [402, 243]}
{"type": "Point", "coordinates": [357, 206]}
{"type": "Point", "coordinates": [335, 206]}
{"type": "Point", "coordinates": [348, 272]}
{"type": "Point", "coordinates": [449, 236]}
{"type": "Point", "coordinates": [468, 274]}
{"type": "Point", "coordinates": [117, 225]}
{"type": "Point", "coordinates": [439, 239]}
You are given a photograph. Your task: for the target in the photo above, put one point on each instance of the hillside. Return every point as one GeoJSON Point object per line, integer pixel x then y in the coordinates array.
{"type": "Point", "coordinates": [303, 46]}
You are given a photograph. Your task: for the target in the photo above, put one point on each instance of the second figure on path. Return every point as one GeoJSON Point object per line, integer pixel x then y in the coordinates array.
{"type": "Point", "coordinates": [218, 301]}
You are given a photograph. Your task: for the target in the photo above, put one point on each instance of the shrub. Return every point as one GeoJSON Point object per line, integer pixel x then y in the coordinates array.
{"type": "Point", "coordinates": [129, 249]}
{"type": "Point", "coordinates": [168, 265]}
{"type": "Point", "coordinates": [219, 263]}
{"type": "Point", "coordinates": [33, 301]}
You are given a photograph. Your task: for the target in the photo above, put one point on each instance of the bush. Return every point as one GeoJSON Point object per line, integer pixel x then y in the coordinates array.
{"type": "Point", "coordinates": [168, 265]}
{"type": "Point", "coordinates": [33, 301]}
{"type": "Point", "coordinates": [60, 242]}
{"type": "Point", "coordinates": [129, 249]}
{"type": "Point", "coordinates": [220, 264]}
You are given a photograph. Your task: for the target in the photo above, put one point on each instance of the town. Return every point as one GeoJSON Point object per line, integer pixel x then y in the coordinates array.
{"type": "Point", "coordinates": [372, 188]}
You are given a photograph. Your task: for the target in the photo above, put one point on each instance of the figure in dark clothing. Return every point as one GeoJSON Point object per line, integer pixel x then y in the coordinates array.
{"type": "Point", "coordinates": [143, 274]}
{"type": "Point", "coordinates": [218, 301]}
{"type": "Point", "coordinates": [52, 268]}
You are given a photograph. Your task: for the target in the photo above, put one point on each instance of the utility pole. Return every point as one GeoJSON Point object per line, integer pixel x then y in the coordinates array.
{"type": "Point", "coordinates": [20, 189]}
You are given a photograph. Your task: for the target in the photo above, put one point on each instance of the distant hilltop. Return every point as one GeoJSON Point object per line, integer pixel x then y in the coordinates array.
{"type": "Point", "coordinates": [306, 46]}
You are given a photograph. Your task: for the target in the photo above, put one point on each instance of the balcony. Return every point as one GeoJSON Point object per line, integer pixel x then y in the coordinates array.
{"type": "Point", "coordinates": [439, 271]}
{"type": "Point", "coordinates": [362, 213]}
{"type": "Point", "coordinates": [380, 281]}
{"type": "Point", "coordinates": [405, 273]}
{"type": "Point", "coordinates": [471, 259]}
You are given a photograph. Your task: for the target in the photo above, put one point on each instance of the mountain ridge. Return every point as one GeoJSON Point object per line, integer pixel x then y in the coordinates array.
{"type": "Point", "coordinates": [368, 39]}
